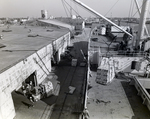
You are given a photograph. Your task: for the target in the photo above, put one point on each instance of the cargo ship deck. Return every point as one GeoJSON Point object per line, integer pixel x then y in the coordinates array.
{"type": "Point", "coordinates": [118, 99]}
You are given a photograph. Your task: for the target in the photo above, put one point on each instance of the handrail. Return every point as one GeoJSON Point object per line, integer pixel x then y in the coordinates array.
{"type": "Point", "coordinates": [125, 54]}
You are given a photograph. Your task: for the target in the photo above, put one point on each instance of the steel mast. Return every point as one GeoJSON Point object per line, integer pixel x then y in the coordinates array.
{"type": "Point", "coordinates": [138, 8]}
{"type": "Point", "coordinates": [143, 17]}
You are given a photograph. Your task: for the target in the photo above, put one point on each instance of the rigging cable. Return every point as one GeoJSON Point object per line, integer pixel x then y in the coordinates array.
{"type": "Point", "coordinates": [130, 10]}
{"type": "Point", "coordinates": [64, 7]}
{"type": "Point", "coordinates": [76, 7]}
{"type": "Point", "coordinates": [131, 13]}
{"type": "Point", "coordinates": [137, 10]}
{"type": "Point", "coordinates": [67, 14]}
{"type": "Point", "coordinates": [111, 8]}
{"type": "Point", "coordinates": [74, 11]}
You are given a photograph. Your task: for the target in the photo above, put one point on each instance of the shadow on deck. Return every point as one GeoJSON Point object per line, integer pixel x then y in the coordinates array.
{"type": "Point", "coordinates": [140, 111]}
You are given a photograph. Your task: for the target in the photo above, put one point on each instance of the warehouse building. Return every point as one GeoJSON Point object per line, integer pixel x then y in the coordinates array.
{"type": "Point", "coordinates": [27, 53]}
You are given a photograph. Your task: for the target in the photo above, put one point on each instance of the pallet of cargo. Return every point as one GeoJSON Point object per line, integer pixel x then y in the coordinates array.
{"type": "Point", "coordinates": [106, 71]}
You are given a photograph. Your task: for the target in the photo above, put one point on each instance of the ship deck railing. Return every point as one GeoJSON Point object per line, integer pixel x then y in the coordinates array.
{"type": "Point", "coordinates": [116, 54]}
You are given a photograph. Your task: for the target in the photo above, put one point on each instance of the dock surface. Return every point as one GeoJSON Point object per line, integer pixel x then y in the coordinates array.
{"type": "Point", "coordinates": [70, 106]}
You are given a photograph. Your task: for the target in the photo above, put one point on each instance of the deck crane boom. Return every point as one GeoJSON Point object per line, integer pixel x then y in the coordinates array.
{"type": "Point", "coordinates": [99, 15]}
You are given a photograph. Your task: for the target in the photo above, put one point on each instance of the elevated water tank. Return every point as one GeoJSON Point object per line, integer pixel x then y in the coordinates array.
{"type": "Point", "coordinates": [44, 14]}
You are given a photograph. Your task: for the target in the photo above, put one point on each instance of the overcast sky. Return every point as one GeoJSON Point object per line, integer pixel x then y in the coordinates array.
{"type": "Point", "coordinates": [32, 8]}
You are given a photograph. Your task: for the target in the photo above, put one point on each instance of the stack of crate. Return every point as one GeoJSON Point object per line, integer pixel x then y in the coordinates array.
{"type": "Point", "coordinates": [74, 62]}
{"type": "Point", "coordinates": [101, 76]}
{"type": "Point", "coordinates": [106, 72]}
